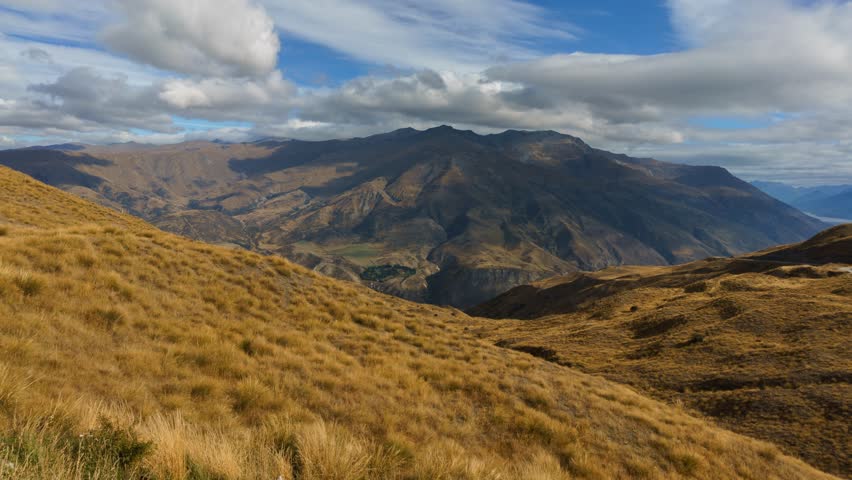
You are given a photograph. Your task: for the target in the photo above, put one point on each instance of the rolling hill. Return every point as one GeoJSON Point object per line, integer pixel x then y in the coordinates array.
{"type": "Point", "coordinates": [464, 216]}
{"type": "Point", "coordinates": [127, 352]}
{"type": "Point", "coordinates": [759, 343]}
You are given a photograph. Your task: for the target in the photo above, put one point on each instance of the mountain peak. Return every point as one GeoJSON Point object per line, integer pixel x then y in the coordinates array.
{"type": "Point", "coordinates": [449, 130]}
{"type": "Point", "coordinates": [442, 128]}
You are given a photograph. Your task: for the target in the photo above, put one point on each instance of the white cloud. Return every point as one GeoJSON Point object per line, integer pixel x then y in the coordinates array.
{"type": "Point", "coordinates": [204, 37]}
{"type": "Point", "coordinates": [54, 20]}
{"type": "Point", "coordinates": [90, 96]}
{"type": "Point", "coordinates": [800, 162]}
{"type": "Point", "coordinates": [227, 94]}
{"type": "Point", "coordinates": [439, 34]}
{"type": "Point", "coordinates": [14, 56]}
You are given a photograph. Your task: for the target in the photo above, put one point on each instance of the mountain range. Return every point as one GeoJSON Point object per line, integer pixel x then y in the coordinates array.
{"type": "Point", "coordinates": [829, 201]}
{"type": "Point", "coordinates": [443, 215]}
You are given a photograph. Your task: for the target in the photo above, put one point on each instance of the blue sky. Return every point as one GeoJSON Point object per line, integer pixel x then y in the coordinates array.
{"type": "Point", "coordinates": [607, 26]}
{"type": "Point", "coordinates": [762, 87]}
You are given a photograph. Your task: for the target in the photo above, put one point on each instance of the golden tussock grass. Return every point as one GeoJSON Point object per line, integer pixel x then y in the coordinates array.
{"type": "Point", "coordinates": [132, 353]}
{"type": "Point", "coordinates": [763, 349]}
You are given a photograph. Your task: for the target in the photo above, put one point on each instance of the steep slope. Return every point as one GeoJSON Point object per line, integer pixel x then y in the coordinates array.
{"type": "Point", "coordinates": [760, 342]}
{"type": "Point", "coordinates": [129, 352]}
{"type": "Point", "coordinates": [472, 215]}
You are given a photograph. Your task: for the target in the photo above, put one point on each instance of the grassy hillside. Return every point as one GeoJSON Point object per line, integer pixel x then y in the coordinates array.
{"type": "Point", "coordinates": [126, 352]}
{"type": "Point", "coordinates": [759, 343]}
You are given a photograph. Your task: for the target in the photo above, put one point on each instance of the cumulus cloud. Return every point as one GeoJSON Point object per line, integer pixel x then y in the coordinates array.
{"type": "Point", "coordinates": [89, 96]}
{"type": "Point", "coordinates": [204, 37]}
{"type": "Point", "coordinates": [227, 94]}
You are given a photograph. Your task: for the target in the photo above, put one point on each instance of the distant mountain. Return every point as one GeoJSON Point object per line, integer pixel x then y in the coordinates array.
{"type": "Point", "coordinates": [61, 146]}
{"type": "Point", "coordinates": [441, 215]}
{"type": "Point", "coordinates": [832, 201]}
{"type": "Point", "coordinates": [838, 205]}
{"type": "Point", "coordinates": [760, 343]}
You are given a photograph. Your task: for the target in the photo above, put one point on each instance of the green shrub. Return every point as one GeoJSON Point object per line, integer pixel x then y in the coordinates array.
{"type": "Point", "coordinates": [381, 273]}
{"type": "Point", "coordinates": [108, 447]}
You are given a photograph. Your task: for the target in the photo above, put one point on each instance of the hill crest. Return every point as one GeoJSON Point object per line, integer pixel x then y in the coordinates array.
{"type": "Point", "coordinates": [756, 342]}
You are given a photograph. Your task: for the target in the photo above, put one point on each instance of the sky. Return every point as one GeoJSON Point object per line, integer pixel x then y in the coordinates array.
{"type": "Point", "coordinates": [761, 87]}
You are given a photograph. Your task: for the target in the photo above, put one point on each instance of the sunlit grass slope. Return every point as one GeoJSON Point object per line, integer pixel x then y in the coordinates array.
{"type": "Point", "coordinates": [126, 352]}
{"type": "Point", "coordinates": [759, 343]}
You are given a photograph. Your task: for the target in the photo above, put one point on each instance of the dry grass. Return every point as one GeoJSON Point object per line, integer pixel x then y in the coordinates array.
{"type": "Point", "coordinates": [763, 349]}
{"type": "Point", "coordinates": [187, 361]}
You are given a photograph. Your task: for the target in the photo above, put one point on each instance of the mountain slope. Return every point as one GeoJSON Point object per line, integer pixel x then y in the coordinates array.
{"type": "Point", "coordinates": [832, 201]}
{"type": "Point", "coordinates": [235, 365]}
{"type": "Point", "coordinates": [472, 215]}
{"type": "Point", "coordinates": [760, 342]}
{"type": "Point", "coordinates": [838, 205]}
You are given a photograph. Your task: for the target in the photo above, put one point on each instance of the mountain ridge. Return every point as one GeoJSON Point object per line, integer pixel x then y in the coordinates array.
{"type": "Point", "coordinates": [474, 215]}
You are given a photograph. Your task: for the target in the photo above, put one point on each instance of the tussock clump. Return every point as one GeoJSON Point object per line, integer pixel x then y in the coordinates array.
{"type": "Point", "coordinates": [656, 325]}
{"type": "Point", "coordinates": [696, 287]}
{"type": "Point", "coordinates": [25, 282]}
{"type": "Point", "coordinates": [739, 285]}
{"type": "Point", "coordinates": [727, 308]}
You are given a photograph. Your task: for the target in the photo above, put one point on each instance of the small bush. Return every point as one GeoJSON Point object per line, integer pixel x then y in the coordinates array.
{"type": "Point", "coordinates": [109, 446]}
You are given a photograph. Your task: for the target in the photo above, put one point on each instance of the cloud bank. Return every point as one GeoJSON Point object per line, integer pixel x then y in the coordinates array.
{"type": "Point", "coordinates": [203, 37]}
